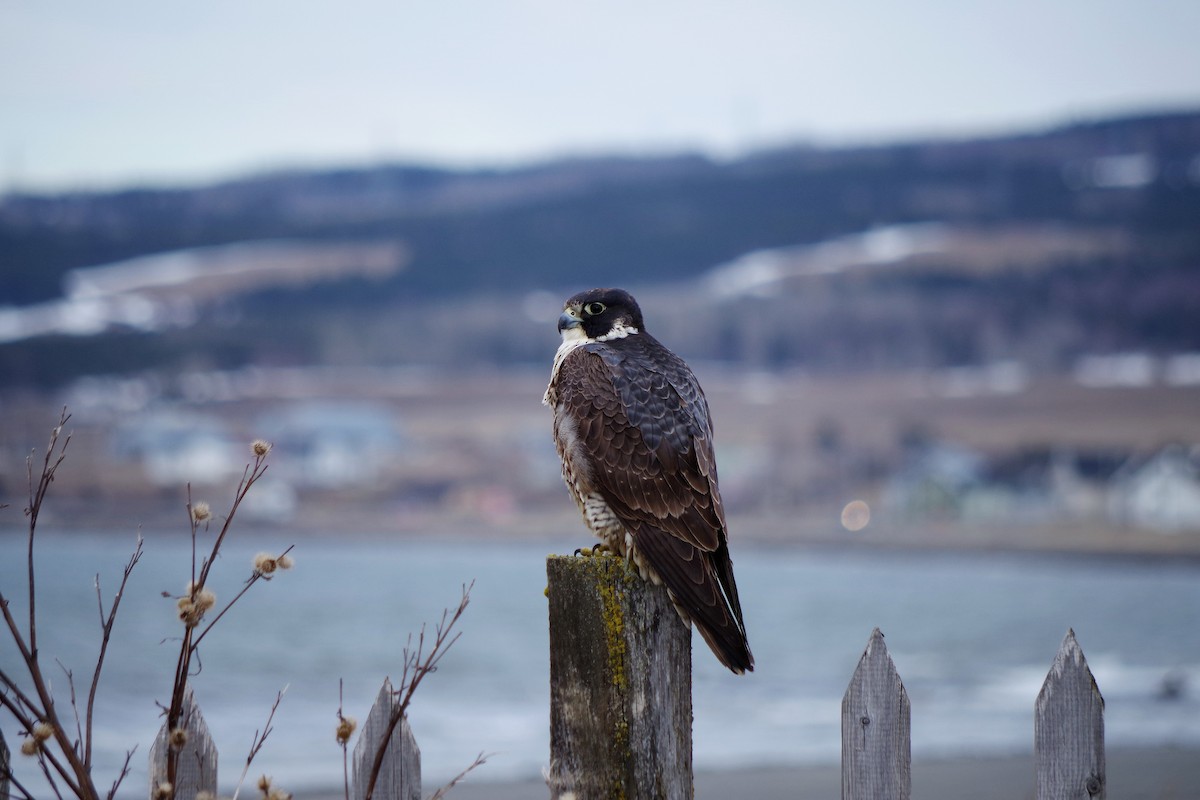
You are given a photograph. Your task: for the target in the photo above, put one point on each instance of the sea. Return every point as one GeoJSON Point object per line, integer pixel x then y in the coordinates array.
{"type": "Point", "coordinates": [972, 636]}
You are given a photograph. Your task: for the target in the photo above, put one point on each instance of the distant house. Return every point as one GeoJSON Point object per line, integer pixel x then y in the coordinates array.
{"type": "Point", "coordinates": [332, 444]}
{"type": "Point", "coordinates": [934, 480]}
{"type": "Point", "coordinates": [1160, 493]}
{"type": "Point", "coordinates": [177, 447]}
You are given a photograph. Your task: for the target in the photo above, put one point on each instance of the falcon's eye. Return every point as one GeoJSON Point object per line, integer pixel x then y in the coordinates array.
{"type": "Point", "coordinates": [593, 309]}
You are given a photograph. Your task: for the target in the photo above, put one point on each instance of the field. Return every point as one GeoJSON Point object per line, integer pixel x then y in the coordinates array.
{"type": "Point", "coordinates": [475, 454]}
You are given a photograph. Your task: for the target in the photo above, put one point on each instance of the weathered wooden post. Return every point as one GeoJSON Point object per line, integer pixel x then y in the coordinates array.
{"type": "Point", "coordinates": [1068, 729]}
{"type": "Point", "coordinates": [620, 685]}
{"type": "Point", "coordinates": [196, 767]}
{"type": "Point", "coordinates": [400, 773]}
{"type": "Point", "coordinates": [876, 723]}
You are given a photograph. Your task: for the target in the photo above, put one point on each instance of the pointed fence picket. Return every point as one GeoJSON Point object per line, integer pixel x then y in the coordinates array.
{"type": "Point", "coordinates": [1068, 729]}
{"type": "Point", "coordinates": [1068, 726]}
{"type": "Point", "coordinates": [400, 770]}
{"type": "Point", "coordinates": [639, 633]}
{"type": "Point", "coordinates": [196, 765]}
{"type": "Point", "coordinates": [3, 768]}
{"type": "Point", "coordinates": [876, 728]}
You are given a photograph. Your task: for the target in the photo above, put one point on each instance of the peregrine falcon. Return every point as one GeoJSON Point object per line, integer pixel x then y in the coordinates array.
{"type": "Point", "coordinates": [633, 432]}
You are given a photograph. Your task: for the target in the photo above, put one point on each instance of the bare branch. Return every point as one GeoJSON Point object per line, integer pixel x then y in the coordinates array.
{"type": "Point", "coordinates": [344, 731]}
{"type": "Point", "coordinates": [257, 742]}
{"type": "Point", "coordinates": [441, 793]}
{"type": "Point", "coordinates": [66, 764]}
{"type": "Point", "coordinates": [16, 784]}
{"type": "Point", "coordinates": [27, 715]}
{"type": "Point", "coordinates": [22, 700]}
{"type": "Point", "coordinates": [416, 666]}
{"type": "Point", "coordinates": [47, 760]}
{"type": "Point", "coordinates": [253, 579]}
{"type": "Point", "coordinates": [36, 496]}
{"type": "Point", "coordinates": [250, 475]}
{"type": "Point", "coordinates": [73, 773]}
{"type": "Point", "coordinates": [74, 705]}
{"type": "Point", "coordinates": [191, 639]}
{"type": "Point", "coordinates": [112, 792]}
{"type": "Point", "coordinates": [42, 759]}
{"type": "Point", "coordinates": [22, 710]}
{"type": "Point", "coordinates": [106, 627]}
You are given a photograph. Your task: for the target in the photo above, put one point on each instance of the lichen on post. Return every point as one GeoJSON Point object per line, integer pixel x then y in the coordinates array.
{"type": "Point", "coordinates": [620, 684]}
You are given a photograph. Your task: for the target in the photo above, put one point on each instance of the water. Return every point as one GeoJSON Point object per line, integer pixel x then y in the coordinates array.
{"type": "Point", "coordinates": [972, 638]}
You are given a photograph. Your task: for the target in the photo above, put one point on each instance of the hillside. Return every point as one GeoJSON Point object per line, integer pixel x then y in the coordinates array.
{"type": "Point", "coordinates": [1042, 247]}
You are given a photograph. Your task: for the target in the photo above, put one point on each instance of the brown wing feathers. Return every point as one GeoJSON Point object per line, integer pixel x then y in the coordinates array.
{"type": "Point", "coordinates": [648, 441]}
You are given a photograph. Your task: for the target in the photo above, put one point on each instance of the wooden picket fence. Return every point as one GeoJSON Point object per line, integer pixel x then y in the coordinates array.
{"type": "Point", "coordinates": [620, 702]}
{"type": "Point", "coordinates": [1068, 727]}
{"type": "Point", "coordinates": [399, 778]}
{"type": "Point", "coordinates": [620, 713]}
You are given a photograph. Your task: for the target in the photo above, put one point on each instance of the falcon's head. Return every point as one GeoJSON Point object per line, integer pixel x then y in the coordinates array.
{"type": "Point", "coordinates": [600, 315]}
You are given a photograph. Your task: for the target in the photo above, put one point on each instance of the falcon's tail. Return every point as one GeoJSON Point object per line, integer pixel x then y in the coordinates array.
{"type": "Point", "coordinates": [729, 641]}
{"type": "Point", "coordinates": [701, 586]}
{"type": "Point", "coordinates": [733, 652]}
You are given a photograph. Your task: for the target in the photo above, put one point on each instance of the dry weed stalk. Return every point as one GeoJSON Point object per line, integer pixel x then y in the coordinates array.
{"type": "Point", "coordinates": [417, 664]}
{"type": "Point", "coordinates": [260, 738]}
{"type": "Point", "coordinates": [198, 600]}
{"type": "Point", "coordinates": [345, 729]}
{"type": "Point", "coordinates": [64, 759]}
{"type": "Point", "coordinates": [441, 793]}
{"type": "Point", "coordinates": [66, 762]}
{"type": "Point", "coordinates": [64, 749]}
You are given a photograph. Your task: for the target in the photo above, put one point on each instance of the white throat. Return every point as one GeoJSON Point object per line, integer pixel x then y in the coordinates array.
{"type": "Point", "coordinates": [573, 338]}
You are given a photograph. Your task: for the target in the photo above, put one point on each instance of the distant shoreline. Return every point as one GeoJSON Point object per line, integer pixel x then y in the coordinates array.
{"type": "Point", "coordinates": [566, 533]}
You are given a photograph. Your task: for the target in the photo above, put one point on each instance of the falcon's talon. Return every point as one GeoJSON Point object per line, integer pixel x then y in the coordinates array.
{"type": "Point", "coordinates": [632, 428]}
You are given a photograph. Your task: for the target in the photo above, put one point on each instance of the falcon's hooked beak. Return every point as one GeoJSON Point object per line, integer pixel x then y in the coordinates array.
{"type": "Point", "coordinates": [569, 319]}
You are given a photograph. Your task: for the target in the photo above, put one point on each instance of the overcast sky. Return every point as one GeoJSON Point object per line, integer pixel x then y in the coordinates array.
{"type": "Point", "coordinates": [104, 94]}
